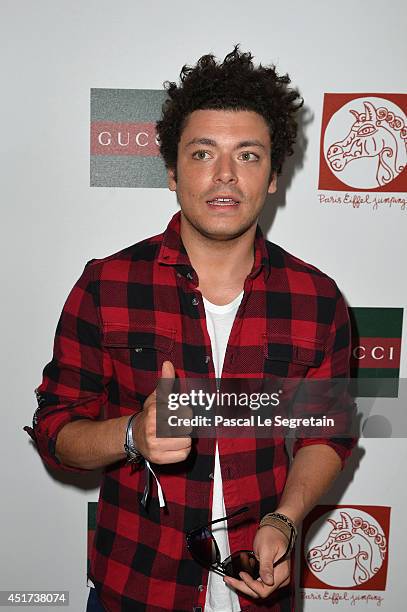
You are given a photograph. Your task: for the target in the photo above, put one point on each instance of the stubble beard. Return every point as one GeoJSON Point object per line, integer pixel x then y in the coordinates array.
{"type": "Point", "coordinates": [218, 235]}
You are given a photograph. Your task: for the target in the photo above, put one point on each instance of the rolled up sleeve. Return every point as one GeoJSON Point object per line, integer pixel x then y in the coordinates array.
{"type": "Point", "coordinates": [75, 380]}
{"type": "Point", "coordinates": [336, 365]}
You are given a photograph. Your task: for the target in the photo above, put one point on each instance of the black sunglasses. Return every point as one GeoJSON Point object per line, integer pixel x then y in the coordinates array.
{"type": "Point", "coordinates": [204, 549]}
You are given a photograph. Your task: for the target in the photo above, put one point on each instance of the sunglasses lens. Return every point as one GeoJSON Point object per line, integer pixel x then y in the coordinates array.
{"type": "Point", "coordinates": [242, 561]}
{"type": "Point", "coordinates": [202, 547]}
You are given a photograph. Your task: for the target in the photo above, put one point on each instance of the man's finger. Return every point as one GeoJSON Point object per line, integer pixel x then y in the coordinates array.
{"type": "Point", "coordinates": [258, 586]}
{"type": "Point", "coordinates": [285, 583]}
{"type": "Point", "coordinates": [240, 585]}
{"type": "Point", "coordinates": [281, 574]}
{"type": "Point", "coordinates": [173, 425]}
{"type": "Point", "coordinates": [182, 422]}
{"type": "Point", "coordinates": [171, 457]}
{"type": "Point", "coordinates": [267, 570]}
{"type": "Point", "coordinates": [171, 444]}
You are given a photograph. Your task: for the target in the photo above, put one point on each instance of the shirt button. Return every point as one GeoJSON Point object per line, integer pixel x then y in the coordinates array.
{"type": "Point", "coordinates": [195, 302]}
{"type": "Point", "coordinates": [179, 274]}
{"type": "Point", "coordinates": [201, 587]}
{"type": "Point", "coordinates": [189, 275]}
{"type": "Point", "coordinates": [211, 476]}
{"type": "Point", "coordinates": [207, 359]}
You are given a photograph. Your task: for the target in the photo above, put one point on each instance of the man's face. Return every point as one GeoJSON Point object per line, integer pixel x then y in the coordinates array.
{"type": "Point", "coordinates": [223, 172]}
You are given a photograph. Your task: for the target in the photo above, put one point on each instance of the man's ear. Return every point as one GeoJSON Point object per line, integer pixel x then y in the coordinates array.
{"type": "Point", "coordinates": [273, 183]}
{"type": "Point", "coordinates": [172, 180]}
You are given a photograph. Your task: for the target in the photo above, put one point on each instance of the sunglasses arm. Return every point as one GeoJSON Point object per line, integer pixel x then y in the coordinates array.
{"type": "Point", "coordinates": [224, 518]}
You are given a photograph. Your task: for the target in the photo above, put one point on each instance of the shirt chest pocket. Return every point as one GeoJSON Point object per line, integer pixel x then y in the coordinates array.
{"type": "Point", "coordinates": [137, 353]}
{"type": "Point", "coordinates": [290, 357]}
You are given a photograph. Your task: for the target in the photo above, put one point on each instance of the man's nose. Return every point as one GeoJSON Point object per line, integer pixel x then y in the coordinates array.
{"type": "Point", "coordinates": [225, 170]}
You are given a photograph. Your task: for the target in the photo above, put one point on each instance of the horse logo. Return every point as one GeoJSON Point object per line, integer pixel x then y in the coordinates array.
{"type": "Point", "coordinates": [352, 550]}
{"type": "Point", "coordinates": [374, 151]}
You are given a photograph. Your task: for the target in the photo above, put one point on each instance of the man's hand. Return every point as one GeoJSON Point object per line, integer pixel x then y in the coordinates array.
{"type": "Point", "coordinates": [269, 546]}
{"type": "Point", "coordinates": [158, 450]}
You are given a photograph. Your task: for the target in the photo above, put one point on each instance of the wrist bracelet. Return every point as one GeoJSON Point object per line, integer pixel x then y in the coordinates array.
{"type": "Point", "coordinates": [133, 455]}
{"type": "Point", "coordinates": [284, 525]}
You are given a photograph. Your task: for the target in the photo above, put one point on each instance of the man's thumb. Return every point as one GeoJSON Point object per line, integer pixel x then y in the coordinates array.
{"type": "Point", "coordinates": [165, 384]}
{"type": "Point", "coordinates": [267, 572]}
{"type": "Point", "coordinates": [167, 370]}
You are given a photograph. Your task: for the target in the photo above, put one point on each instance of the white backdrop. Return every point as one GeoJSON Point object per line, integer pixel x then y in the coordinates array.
{"type": "Point", "coordinates": [53, 222]}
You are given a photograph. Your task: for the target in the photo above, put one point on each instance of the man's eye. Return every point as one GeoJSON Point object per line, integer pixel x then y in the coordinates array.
{"type": "Point", "coordinates": [200, 155]}
{"type": "Point", "coordinates": [248, 156]}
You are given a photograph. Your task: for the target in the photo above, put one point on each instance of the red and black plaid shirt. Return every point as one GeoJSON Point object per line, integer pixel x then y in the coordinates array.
{"type": "Point", "coordinates": [126, 315]}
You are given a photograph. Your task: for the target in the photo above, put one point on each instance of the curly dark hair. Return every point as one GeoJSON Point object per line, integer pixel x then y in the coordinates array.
{"type": "Point", "coordinates": [234, 84]}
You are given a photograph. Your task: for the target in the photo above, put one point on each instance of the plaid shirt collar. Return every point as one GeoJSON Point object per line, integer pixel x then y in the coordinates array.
{"type": "Point", "coordinates": [173, 252]}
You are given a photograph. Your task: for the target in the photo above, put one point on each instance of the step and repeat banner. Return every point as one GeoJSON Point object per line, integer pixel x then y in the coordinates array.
{"type": "Point", "coordinates": [344, 550]}
{"type": "Point", "coordinates": [82, 178]}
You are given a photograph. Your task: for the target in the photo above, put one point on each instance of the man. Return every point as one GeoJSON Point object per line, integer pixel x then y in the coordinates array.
{"type": "Point", "coordinates": [209, 297]}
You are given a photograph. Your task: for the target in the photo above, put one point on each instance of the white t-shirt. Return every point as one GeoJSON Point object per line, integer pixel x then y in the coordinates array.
{"type": "Point", "coordinates": [219, 320]}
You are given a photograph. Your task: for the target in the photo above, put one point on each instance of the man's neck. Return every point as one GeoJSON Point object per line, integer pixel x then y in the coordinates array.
{"type": "Point", "coordinates": [221, 265]}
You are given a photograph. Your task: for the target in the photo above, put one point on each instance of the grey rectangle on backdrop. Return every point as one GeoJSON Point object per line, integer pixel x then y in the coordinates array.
{"type": "Point", "coordinates": [127, 171]}
{"type": "Point", "coordinates": [126, 105]}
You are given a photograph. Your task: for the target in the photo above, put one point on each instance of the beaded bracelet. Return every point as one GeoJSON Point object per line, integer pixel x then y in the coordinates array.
{"type": "Point", "coordinates": [284, 525]}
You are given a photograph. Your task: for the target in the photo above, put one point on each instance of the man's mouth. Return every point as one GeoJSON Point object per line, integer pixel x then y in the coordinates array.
{"type": "Point", "coordinates": [223, 202]}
